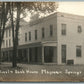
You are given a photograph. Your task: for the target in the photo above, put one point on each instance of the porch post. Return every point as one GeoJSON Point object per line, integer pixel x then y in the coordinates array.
{"type": "Point", "coordinates": [8, 56]}
{"type": "Point", "coordinates": [28, 54]}
{"type": "Point", "coordinates": [42, 54]}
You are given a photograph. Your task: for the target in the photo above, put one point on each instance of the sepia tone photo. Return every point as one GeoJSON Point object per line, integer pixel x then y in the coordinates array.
{"type": "Point", "coordinates": [42, 41]}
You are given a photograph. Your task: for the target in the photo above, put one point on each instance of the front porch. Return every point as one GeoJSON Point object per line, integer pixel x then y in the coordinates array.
{"type": "Point", "coordinates": [40, 53]}
{"type": "Point", "coordinates": [44, 53]}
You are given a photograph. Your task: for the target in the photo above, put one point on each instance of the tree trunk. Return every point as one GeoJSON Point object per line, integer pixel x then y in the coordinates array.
{"type": "Point", "coordinates": [15, 33]}
{"type": "Point", "coordinates": [1, 23]}
{"type": "Point", "coordinates": [14, 64]}
{"type": "Point", "coordinates": [3, 19]}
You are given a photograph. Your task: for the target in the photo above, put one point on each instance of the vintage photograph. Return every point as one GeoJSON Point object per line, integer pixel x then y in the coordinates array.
{"type": "Point", "coordinates": [42, 41]}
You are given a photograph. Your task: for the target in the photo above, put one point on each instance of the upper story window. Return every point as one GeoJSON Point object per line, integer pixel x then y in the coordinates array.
{"type": "Point", "coordinates": [79, 29]}
{"type": "Point", "coordinates": [43, 33]}
{"type": "Point", "coordinates": [3, 42]}
{"type": "Point", "coordinates": [25, 37]}
{"type": "Point", "coordinates": [78, 51]}
{"type": "Point", "coordinates": [35, 34]}
{"type": "Point", "coordinates": [29, 36]}
{"type": "Point", "coordinates": [6, 33]}
{"type": "Point", "coordinates": [9, 42]}
{"type": "Point", "coordinates": [6, 43]}
{"type": "Point", "coordinates": [51, 30]}
{"type": "Point", "coordinates": [63, 32]}
{"type": "Point", "coordinates": [62, 15]}
{"type": "Point", "coordinates": [9, 32]}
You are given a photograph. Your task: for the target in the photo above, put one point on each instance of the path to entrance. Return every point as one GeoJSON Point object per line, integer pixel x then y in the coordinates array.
{"type": "Point", "coordinates": [41, 73]}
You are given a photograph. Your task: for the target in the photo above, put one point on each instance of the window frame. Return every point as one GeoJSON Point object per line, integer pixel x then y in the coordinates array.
{"type": "Point", "coordinates": [35, 34]}
{"type": "Point", "coordinates": [3, 42]}
{"type": "Point", "coordinates": [64, 52]}
{"type": "Point", "coordinates": [25, 37]}
{"type": "Point", "coordinates": [6, 33]}
{"type": "Point", "coordinates": [79, 29]}
{"type": "Point", "coordinates": [78, 52]}
{"type": "Point", "coordinates": [43, 32]}
{"type": "Point", "coordinates": [29, 36]}
{"type": "Point", "coordinates": [51, 30]}
{"type": "Point", "coordinates": [6, 43]}
{"type": "Point", "coordinates": [9, 42]}
{"type": "Point", "coordinates": [9, 32]}
{"type": "Point", "coordinates": [63, 29]}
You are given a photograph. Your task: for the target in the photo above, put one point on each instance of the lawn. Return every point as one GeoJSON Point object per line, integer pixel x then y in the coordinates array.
{"type": "Point", "coordinates": [41, 73]}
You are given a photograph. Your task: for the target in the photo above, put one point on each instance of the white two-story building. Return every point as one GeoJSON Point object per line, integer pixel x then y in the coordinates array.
{"type": "Point", "coordinates": [57, 38]}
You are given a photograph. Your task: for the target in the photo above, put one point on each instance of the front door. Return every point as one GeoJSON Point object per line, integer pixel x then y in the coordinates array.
{"type": "Point", "coordinates": [48, 54]}
{"type": "Point", "coordinates": [33, 55]}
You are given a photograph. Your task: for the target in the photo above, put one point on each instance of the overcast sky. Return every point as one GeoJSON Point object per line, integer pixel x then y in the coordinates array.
{"type": "Point", "coordinates": [72, 7]}
{"type": "Point", "coordinates": [69, 7]}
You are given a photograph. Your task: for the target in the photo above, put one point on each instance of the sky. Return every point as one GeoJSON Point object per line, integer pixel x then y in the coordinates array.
{"type": "Point", "coordinates": [72, 7]}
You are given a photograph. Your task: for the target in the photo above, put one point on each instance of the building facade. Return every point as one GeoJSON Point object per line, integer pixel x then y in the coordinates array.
{"type": "Point", "coordinates": [57, 38]}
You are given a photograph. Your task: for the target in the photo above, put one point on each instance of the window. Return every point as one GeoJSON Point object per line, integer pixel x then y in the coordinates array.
{"type": "Point", "coordinates": [3, 42]}
{"type": "Point", "coordinates": [79, 29]}
{"type": "Point", "coordinates": [63, 53]}
{"type": "Point", "coordinates": [6, 43]}
{"type": "Point", "coordinates": [29, 36]}
{"type": "Point", "coordinates": [51, 30]}
{"type": "Point", "coordinates": [43, 33]}
{"type": "Point", "coordinates": [78, 51]}
{"type": "Point", "coordinates": [9, 32]}
{"type": "Point", "coordinates": [62, 15]}
{"type": "Point", "coordinates": [9, 42]}
{"type": "Point", "coordinates": [63, 32]}
{"type": "Point", "coordinates": [25, 37]}
{"type": "Point", "coordinates": [35, 34]}
{"type": "Point", "coordinates": [6, 33]}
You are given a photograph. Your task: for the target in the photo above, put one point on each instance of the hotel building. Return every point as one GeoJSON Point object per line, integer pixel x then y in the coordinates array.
{"type": "Point", "coordinates": [57, 39]}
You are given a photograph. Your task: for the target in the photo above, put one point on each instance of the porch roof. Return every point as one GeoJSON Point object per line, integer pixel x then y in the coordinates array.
{"type": "Point", "coordinates": [37, 44]}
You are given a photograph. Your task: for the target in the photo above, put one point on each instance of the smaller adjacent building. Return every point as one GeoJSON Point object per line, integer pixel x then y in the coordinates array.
{"type": "Point", "coordinates": [57, 38]}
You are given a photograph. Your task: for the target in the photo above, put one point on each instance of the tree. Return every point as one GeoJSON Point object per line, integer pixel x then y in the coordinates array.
{"type": "Point", "coordinates": [15, 31]}
{"type": "Point", "coordinates": [21, 8]}
{"type": "Point", "coordinates": [4, 8]}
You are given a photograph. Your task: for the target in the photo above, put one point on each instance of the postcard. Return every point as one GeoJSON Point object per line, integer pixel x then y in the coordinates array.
{"type": "Point", "coordinates": [42, 41]}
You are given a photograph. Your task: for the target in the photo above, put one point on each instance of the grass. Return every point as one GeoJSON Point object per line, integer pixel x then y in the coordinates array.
{"type": "Point", "coordinates": [41, 73]}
